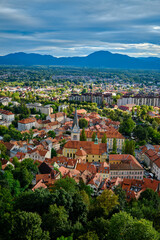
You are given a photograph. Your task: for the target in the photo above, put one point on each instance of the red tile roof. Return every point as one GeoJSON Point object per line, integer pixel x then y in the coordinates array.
{"type": "Point", "coordinates": [27, 120]}
{"type": "Point", "coordinates": [81, 152]}
{"type": "Point", "coordinates": [110, 133]}
{"type": "Point", "coordinates": [39, 184]}
{"type": "Point", "coordinates": [5, 112]}
{"type": "Point", "coordinates": [89, 147]}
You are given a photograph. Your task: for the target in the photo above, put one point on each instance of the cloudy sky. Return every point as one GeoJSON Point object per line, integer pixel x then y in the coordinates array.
{"type": "Point", "coordinates": [80, 27]}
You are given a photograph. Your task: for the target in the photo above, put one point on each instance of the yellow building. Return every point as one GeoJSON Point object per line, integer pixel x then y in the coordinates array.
{"type": "Point", "coordinates": [87, 151]}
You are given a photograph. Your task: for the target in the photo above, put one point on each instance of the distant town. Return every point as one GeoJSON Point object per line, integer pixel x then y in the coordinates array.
{"type": "Point", "coordinates": [96, 129]}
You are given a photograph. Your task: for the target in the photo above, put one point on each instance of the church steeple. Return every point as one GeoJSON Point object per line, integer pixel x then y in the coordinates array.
{"type": "Point", "coordinates": [75, 133]}
{"type": "Point", "coordinates": [75, 120]}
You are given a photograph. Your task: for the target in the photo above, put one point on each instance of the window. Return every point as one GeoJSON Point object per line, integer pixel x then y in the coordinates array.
{"type": "Point", "coordinates": [74, 137]}
{"type": "Point", "coordinates": [68, 155]}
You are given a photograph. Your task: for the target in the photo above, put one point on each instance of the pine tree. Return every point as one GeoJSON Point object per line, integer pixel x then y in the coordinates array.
{"type": "Point", "coordinates": [129, 147]}
{"type": "Point", "coordinates": [93, 136]}
{"type": "Point", "coordinates": [104, 138]}
{"type": "Point", "coordinates": [114, 145]}
{"type": "Point", "coordinates": [123, 148]}
{"type": "Point", "coordinates": [83, 136]}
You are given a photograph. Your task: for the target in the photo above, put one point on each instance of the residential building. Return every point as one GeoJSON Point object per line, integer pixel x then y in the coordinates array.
{"type": "Point", "coordinates": [60, 117]}
{"type": "Point", "coordinates": [139, 100]}
{"type": "Point", "coordinates": [26, 124]}
{"type": "Point", "coordinates": [92, 97]}
{"type": "Point", "coordinates": [46, 109]}
{"type": "Point", "coordinates": [134, 187]}
{"type": "Point", "coordinates": [6, 116]}
{"type": "Point", "coordinates": [37, 154]}
{"type": "Point", "coordinates": [110, 133]}
{"type": "Point", "coordinates": [125, 166]}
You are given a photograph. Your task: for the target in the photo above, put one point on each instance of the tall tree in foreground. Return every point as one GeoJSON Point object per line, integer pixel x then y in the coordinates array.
{"type": "Point", "coordinates": [27, 225]}
{"type": "Point", "coordinates": [124, 226]}
{"type": "Point", "coordinates": [107, 201]}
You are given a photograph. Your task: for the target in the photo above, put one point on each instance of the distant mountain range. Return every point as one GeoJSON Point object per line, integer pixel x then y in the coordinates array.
{"type": "Point", "coordinates": [97, 59]}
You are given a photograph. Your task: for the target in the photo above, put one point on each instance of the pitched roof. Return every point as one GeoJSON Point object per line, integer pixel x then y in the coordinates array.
{"type": "Point", "coordinates": [86, 166]}
{"type": "Point", "coordinates": [8, 145]}
{"type": "Point", "coordinates": [27, 120]}
{"type": "Point", "coordinates": [110, 133]}
{"type": "Point", "coordinates": [128, 162]}
{"type": "Point", "coordinates": [89, 147]}
{"type": "Point", "coordinates": [5, 112]}
{"type": "Point", "coordinates": [81, 152]}
{"type": "Point", "coordinates": [39, 184]}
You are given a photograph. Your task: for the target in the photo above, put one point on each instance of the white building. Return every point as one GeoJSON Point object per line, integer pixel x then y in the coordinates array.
{"type": "Point", "coordinates": [156, 168]}
{"type": "Point", "coordinates": [47, 109]}
{"type": "Point", "coordinates": [26, 124]}
{"type": "Point", "coordinates": [6, 116]}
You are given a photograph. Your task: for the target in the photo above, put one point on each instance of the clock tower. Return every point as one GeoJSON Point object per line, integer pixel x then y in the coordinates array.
{"type": "Point", "coordinates": [75, 133]}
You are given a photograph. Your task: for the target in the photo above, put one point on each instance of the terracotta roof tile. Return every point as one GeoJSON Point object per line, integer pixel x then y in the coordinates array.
{"type": "Point", "coordinates": [89, 147]}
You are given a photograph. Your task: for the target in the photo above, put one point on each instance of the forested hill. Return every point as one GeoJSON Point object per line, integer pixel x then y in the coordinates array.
{"type": "Point", "coordinates": [97, 59]}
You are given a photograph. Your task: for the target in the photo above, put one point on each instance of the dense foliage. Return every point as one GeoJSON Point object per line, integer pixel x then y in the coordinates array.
{"type": "Point", "coordinates": [67, 211]}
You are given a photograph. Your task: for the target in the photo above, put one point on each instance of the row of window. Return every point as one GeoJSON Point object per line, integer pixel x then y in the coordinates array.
{"type": "Point", "coordinates": [129, 177]}
{"type": "Point", "coordinates": [126, 173]}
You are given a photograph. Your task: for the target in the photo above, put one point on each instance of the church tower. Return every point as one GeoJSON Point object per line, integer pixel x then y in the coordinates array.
{"type": "Point", "coordinates": [75, 133]}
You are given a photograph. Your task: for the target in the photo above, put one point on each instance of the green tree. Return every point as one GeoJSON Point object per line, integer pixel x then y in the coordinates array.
{"type": "Point", "coordinates": [124, 226]}
{"type": "Point", "coordinates": [150, 197]}
{"type": "Point", "coordinates": [89, 236]}
{"type": "Point", "coordinates": [6, 138]}
{"type": "Point", "coordinates": [154, 124]}
{"type": "Point", "coordinates": [83, 123]}
{"type": "Point", "coordinates": [93, 136]}
{"type": "Point", "coordinates": [3, 149]}
{"type": "Point", "coordinates": [79, 209]}
{"type": "Point", "coordinates": [30, 165]}
{"type": "Point", "coordinates": [68, 184]}
{"type": "Point", "coordinates": [121, 197]}
{"type": "Point", "coordinates": [24, 176]}
{"type": "Point", "coordinates": [127, 126]}
{"type": "Point", "coordinates": [107, 201]}
{"type": "Point", "coordinates": [141, 133]}
{"type": "Point", "coordinates": [100, 225]}
{"type": "Point", "coordinates": [104, 138]}
{"type": "Point", "coordinates": [65, 238]}
{"type": "Point", "coordinates": [3, 130]}
{"type": "Point", "coordinates": [27, 225]}
{"type": "Point", "coordinates": [37, 201]}
{"type": "Point", "coordinates": [83, 135]}
{"type": "Point", "coordinates": [16, 162]}
{"type": "Point", "coordinates": [56, 221]}
{"type": "Point", "coordinates": [53, 153]}
{"type": "Point", "coordinates": [115, 145]}
{"type": "Point", "coordinates": [51, 134]}
{"type": "Point", "coordinates": [129, 147]}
